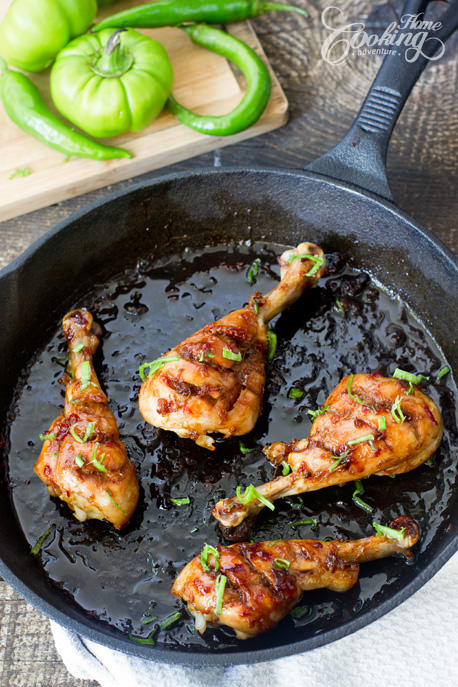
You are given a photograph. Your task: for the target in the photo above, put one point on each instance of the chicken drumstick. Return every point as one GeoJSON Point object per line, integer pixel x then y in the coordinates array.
{"type": "Point", "coordinates": [214, 380]}
{"type": "Point", "coordinates": [261, 582]}
{"type": "Point", "coordinates": [369, 425]}
{"type": "Point", "coordinates": [83, 461]}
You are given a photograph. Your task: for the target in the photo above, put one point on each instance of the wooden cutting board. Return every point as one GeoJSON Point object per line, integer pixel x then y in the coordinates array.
{"type": "Point", "coordinates": [203, 81]}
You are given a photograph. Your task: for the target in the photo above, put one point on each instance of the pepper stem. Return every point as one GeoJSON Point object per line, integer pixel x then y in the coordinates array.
{"type": "Point", "coordinates": [113, 61]}
{"type": "Point", "coordinates": [278, 7]}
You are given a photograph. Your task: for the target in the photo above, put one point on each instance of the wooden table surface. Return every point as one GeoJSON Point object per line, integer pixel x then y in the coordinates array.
{"type": "Point", "coordinates": [423, 172]}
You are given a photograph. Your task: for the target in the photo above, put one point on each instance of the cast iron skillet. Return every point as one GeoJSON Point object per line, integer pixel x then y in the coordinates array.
{"type": "Point", "coordinates": [342, 202]}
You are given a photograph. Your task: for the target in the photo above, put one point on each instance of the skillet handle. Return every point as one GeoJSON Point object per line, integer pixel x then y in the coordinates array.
{"type": "Point", "coordinates": [360, 157]}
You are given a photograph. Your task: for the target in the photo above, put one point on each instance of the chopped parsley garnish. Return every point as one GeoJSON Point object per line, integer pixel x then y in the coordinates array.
{"type": "Point", "coordinates": [382, 424]}
{"type": "Point", "coordinates": [286, 468]}
{"type": "Point", "coordinates": [316, 413]}
{"type": "Point", "coordinates": [206, 551]}
{"type": "Point", "coordinates": [98, 463]}
{"type": "Point", "coordinates": [360, 490]}
{"type": "Point", "coordinates": [295, 393]}
{"type": "Point", "coordinates": [250, 495]}
{"type": "Point", "coordinates": [110, 496]}
{"type": "Point", "coordinates": [442, 372]}
{"type": "Point", "coordinates": [299, 611]}
{"type": "Point", "coordinates": [148, 619]}
{"type": "Point", "coordinates": [79, 460]}
{"type": "Point", "coordinates": [155, 365]}
{"type": "Point", "coordinates": [85, 374]}
{"type": "Point", "coordinates": [230, 355]}
{"type": "Point", "coordinates": [409, 377]}
{"type": "Point", "coordinates": [338, 460]}
{"type": "Point", "coordinates": [89, 429]}
{"type": "Point", "coordinates": [282, 563]}
{"type": "Point", "coordinates": [253, 271]}
{"type": "Point", "coordinates": [255, 306]}
{"type": "Point", "coordinates": [339, 306]}
{"type": "Point", "coordinates": [185, 501]}
{"type": "Point", "coordinates": [272, 339]}
{"type": "Point", "coordinates": [36, 548]}
{"type": "Point", "coordinates": [299, 523]}
{"type": "Point", "coordinates": [141, 640]}
{"type": "Point", "coordinates": [201, 357]}
{"type": "Point", "coordinates": [396, 411]}
{"type": "Point", "coordinates": [45, 437]}
{"type": "Point", "coordinates": [349, 391]}
{"type": "Point", "coordinates": [388, 531]}
{"type": "Point", "coordinates": [317, 262]}
{"type": "Point", "coordinates": [78, 348]}
{"type": "Point", "coordinates": [361, 440]}
{"type": "Point", "coordinates": [20, 173]}
{"type": "Point", "coordinates": [220, 584]}
{"type": "Point", "coordinates": [194, 530]}
{"type": "Point", "coordinates": [169, 620]}
{"type": "Point", "coordinates": [244, 449]}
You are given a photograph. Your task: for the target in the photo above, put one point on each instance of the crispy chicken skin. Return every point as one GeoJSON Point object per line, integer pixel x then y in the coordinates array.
{"type": "Point", "coordinates": [215, 379]}
{"type": "Point", "coordinates": [92, 474]}
{"type": "Point", "coordinates": [261, 588]}
{"type": "Point", "coordinates": [314, 461]}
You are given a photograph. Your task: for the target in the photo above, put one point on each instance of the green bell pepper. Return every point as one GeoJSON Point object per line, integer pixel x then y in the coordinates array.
{"type": "Point", "coordinates": [33, 31]}
{"type": "Point", "coordinates": [109, 83]}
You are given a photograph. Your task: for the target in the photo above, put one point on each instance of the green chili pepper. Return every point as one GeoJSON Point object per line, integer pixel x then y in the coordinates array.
{"type": "Point", "coordinates": [111, 82]}
{"type": "Point", "coordinates": [25, 107]}
{"type": "Point", "coordinates": [174, 12]}
{"type": "Point", "coordinates": [257, 77]}
{"type": "Point", "coordinates": [33, 31]}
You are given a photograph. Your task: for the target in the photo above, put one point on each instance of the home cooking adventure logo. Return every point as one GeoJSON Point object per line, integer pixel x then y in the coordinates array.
{"type": "Point", "coordinates": [410, 32]}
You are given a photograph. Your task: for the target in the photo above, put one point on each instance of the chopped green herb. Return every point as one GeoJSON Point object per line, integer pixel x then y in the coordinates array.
{"type": "Point", "coordinates": [271, 543]}
{"type": "Point", "coordinates": [286, 468]}
{"type": "Point", "coordinates": [230, 355]}
{"type": "Point", "coordinates": [272, 339]}
{"type": "Point", "coordinates": [250, 495]}
{"type": "Point", "coordinates": [220, 584]}
{"type": "Point", "coordinates": [78, 348]}
{"type": "Point", "coordinates": [244, 449]}
{"type": "Point", "coordinates": [194, 530]}
{"type": "Point", "coordinates": [144, 640]}
{"type": "Point", "coordinates": [79, 460]}
{"type": "Point", "coordinates": [282, 563]}
{"type": "Point", "coordinates": [349, 391]}
{"type": "Point", "coordinates": [299, 611]}
{"type": "Point", "coordinates": [411, 389]}
{"type": "Point", "coordinates": [185, 501]}
{"type": "Point", "coordinates": [388, 531]}
{"type": "Point", "coordinates": [340, 306]}
{"type": "Point", "coordinates": [396, 411]}
{"type": "Point", "coordinates": [229, 508]}
{"type": "Point", "coordinates": [155, 365]}
{"type": "Point", "coordinates": [360, 490]}
{"type": "Point", "coordinates": [45, 437]}
{"type": "Point", "coordinates": [338, 460]}
{"type": "Point", "coordinates": [85, 374]}
{"type": "Point", "coordinates": [98, 463]}
{"type": "Point", "coordinates": [382, 424]}
{"type": "Point", "coordinates": [110, 496]}
{"type": "Point", "coordinates": [297, 505]}
{"type": "Point", "coordinates": [201, 357]}
{"type": "Point", "coordinates": [20, 173]}
{"type": "Point", "coordinates": [210, 355]}
{"type": "Point", "coordinates": [316, 413]}
{"type": "Point", "coordinates": [409, 377]}
{"type": "Point", "coordinates": [442, 372]}
{"type": "Point", "coordinates": [207, 549]}
{"type": "Point", "coordinates": [361, 440]}
{"type": "Point", "coordinates": [295, 393]}
{"type": "Point", "coordinates": [148, 619]}
{"type": "Point", "coordinates": [169, 620]}
{"type": "Point", "coordinates": [255, 306]}
{"type": "Point", "coordinates": [40, 541]}
{"type": "Point", "coordinates": [318, 261]}
{"type": "Point", "coordinates": [253, 271]}
{"type": "Point", "coordinates": [299, 523]}
{"type": "Point", "coordinates": [327, 539]}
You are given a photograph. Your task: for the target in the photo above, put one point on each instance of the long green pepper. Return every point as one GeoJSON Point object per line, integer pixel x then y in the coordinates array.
{"type": "Point", "coordinates": [26, 108]}
{"type": "Point", "coordinates": [175, 12]}
{"type": "Point", "coordinates": [257, 92]}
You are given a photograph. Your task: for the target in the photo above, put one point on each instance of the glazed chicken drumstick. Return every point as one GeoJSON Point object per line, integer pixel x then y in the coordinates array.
{"type": "Point", "coordinates": [369, 425]}
{"type": "Point", "coordinates": [214, 380]}
{"type": "Point", "coordinates": [251, 587]}
{"type": "Point", "coordinates": [83, 461]}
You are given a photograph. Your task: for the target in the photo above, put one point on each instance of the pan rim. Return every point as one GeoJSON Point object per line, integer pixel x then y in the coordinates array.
{"type": "Point", "coordinates": [251, 656]}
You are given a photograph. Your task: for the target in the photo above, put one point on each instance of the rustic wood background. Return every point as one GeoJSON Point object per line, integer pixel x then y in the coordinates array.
{"type": "Point", "coordinates": [423, 172]}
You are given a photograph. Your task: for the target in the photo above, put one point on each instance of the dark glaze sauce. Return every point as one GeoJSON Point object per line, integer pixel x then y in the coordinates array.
{"type": "Point", "coordinates": [144, 312]}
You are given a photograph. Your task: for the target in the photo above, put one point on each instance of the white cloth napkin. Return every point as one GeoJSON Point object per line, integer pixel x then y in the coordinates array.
{"type": "Point", "coordinates": [415, 645]}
